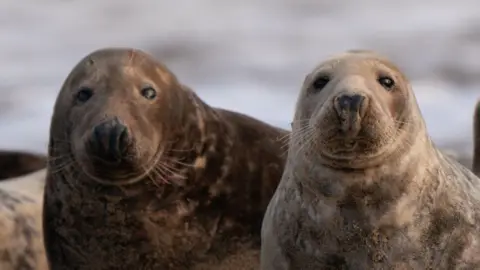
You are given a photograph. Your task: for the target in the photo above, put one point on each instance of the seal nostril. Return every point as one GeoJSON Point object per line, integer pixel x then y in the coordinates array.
{"type": "Point", "coordinates": [97, 134]}
{"type": "Point", "coordinates": [344, 102]}
{"type": "Point", "coordinates": [117, 139]}
{"type": "Point", "coordinates": [98, 137]}
{"type": "Point", "coordinates": [109, 139]}
{"type": "Point", "coordinates": [122, 138]}
{"type": "Point", "coordinates": [357, 101]}
{"type": "Point", "coordinates": [349, 102]}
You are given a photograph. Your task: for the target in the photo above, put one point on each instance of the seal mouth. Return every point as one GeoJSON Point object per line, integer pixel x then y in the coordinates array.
{"type": "Point", "coordinates": [117, 181]}
{"type": "Point", "coordinates": [357, 153]}
{"type": "Point", "coordinates": [345, 146]}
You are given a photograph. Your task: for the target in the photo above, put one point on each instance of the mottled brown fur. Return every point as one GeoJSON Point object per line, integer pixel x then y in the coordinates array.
{"type": "Point", "coordinates": [202, 203]}
{"type": "Point", "coordinates": [476, 139]}
{"type": "Point", "coordinates": [21, 241]}
{"type": "Point", "coordinates": [14, 163]}
{"type": "Point", "coordinates": [377, 196]}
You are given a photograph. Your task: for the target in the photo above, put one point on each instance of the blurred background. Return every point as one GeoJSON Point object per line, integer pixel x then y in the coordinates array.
{"type": "Point", "coordinates": [250, 56]}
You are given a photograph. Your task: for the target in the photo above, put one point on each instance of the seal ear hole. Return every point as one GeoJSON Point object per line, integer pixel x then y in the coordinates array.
{"type": "Point", "coordinates": [386, 82]}
{"type": "Point", "coordinates": [149, 93]}
{"type": "Point", "coordinates": [320, 82]}
{"type": "Point", "coordinates": [84, 94]}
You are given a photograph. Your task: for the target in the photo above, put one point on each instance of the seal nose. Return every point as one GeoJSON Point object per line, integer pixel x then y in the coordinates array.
{"type": "Point", "coordinates": [351, 103]}
{"type": "Point", "coordinates": [110, 138]}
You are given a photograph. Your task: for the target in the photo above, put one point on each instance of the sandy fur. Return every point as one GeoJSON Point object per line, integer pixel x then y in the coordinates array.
{"type": "Point", "coordinates": [21, 241]}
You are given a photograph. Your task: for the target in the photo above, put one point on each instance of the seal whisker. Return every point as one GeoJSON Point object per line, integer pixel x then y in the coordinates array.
{"type": "Point", "coordinates": [53, 159]}
{"type": "Point", "coordinates": [296, 135]}
{"type": "Point", "coordinates": [61, 167]}
{"type": "Point", "coordinates": [170, 169]}
{"type": "Point", "coordinates": [59, 160]}
{"type": "Point", "coordinates": [284, 138]}
{"type": "Point", "coordinates": [181, 163]}
{"type": "Point", "coordinates": [157, 174]}
{"type": "Point", "coordinates": [160, 175]}
{"type": "Point", "coordinates": [182, 150]}
{"type": "Point", "coordinates": [300, 120]}
{"type": "Point", "coordinates": [287, 136]}
{"type": "Point", "coordinates": [302, 138]}
{"type": "Point", "coordinates": [307, 140]}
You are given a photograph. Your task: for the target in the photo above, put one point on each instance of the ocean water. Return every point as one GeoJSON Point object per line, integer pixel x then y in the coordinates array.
{"type": "Point", "coordinates": [250, 56]}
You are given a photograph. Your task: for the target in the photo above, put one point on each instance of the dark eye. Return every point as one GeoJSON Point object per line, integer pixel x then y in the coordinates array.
{"type": "Point", "coordinates": [149, 93]}
{"type": "Point", "coordinates": [386, 82]}
{"type": "Point", "coordinates": [320, 82]}
{"type": "Point", "coordinates": [84, 94]}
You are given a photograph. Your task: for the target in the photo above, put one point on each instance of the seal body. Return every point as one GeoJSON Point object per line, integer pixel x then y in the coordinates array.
{"type": "Point", "coordinates": [476, 139]}
{"type": "Point", "coordinates": [21, 240]}
{"type": "Point", "coordinates": [143, 174]}
{"type": "Point", "coordinates": [16, 163]}
{"type": "Point", "coordinates": [364, 186]}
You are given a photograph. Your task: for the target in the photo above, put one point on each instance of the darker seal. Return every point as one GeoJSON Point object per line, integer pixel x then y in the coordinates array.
{"type": "Point", "coordinates": [364, 186]}
{"type": "Point", "coordinates": [145, 175]}
{"type": "Point", "coordinates": [476, 139]}
{"type": "Point", "coordinates": [17, 163]}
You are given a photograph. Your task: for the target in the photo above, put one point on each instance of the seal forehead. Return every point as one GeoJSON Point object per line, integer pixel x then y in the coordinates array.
{"type": "Point", "coordinates": [118, 57]}
{"type": "Point", "coordinates": [360, 62]}
{"type": "Point", "coordinates": [131, 62]}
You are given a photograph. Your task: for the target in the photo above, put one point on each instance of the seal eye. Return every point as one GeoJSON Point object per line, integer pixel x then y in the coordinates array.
{"type": "Point", "coordinates": [149, 93]}
{"type": "Point", "coordinates": [386, 82]}
{"type": "Point", "coordinates": [84, 94]}
{"type": "Point", "coordinates": [320, 82]}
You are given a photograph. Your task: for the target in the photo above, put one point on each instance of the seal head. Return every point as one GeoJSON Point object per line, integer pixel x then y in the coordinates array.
{"type": "Point", "coordinates": [143, 174]}
{"type": "Point", "coordinates": [360, 110]}
{"type": "Point", "coordinates": [112, 106]}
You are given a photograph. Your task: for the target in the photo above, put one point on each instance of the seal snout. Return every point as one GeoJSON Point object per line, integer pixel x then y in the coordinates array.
{"type": "Point", "coordinates": [350, 108]}
{"type": "Point", "coordinates": [109, 139]}
{"type": "Point", "coordinates": [350, 103]}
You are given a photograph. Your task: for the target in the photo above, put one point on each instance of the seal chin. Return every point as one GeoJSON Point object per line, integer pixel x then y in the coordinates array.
{"type": "Point", "coordinates": [126, 173]}
{"type": "Point", "coordinates": [352, 161]}
{"type": "Point", "coordinates": [362, 150]}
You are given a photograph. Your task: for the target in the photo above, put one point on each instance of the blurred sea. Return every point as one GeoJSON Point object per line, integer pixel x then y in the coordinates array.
{"type": "Point", "coordinates": [250, 55]}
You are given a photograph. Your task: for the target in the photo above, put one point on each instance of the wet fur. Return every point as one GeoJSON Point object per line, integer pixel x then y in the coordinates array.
{"type": "Point", "coordinates": [409, 207]}
{"type": "Point", "coordinates": [205, 212]}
